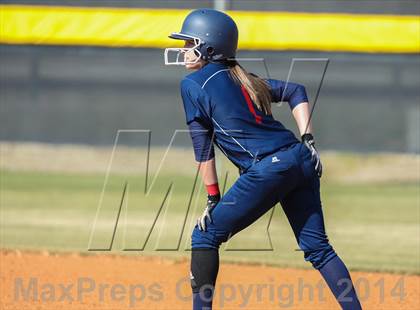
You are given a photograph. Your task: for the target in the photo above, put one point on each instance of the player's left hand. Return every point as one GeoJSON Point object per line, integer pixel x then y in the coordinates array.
{"type": "Point", "coordinates": [309, 142]}
{"type": "Point", "coordinates": [212, 201]}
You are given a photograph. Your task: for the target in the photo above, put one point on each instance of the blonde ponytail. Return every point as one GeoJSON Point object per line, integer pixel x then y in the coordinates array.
{"type": "Point", "coordinates": [257, 88]}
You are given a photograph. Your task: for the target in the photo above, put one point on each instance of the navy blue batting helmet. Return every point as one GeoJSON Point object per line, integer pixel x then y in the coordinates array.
{"type": "Point", "coordinates": [215, 34]}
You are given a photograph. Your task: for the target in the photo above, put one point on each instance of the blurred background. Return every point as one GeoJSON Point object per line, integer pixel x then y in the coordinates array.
{"type": "Point", "coordinates": [84, 92]}
{"type": "Point", "coordinates": [73, 73]}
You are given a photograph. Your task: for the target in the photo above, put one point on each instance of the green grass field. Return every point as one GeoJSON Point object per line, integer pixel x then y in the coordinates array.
{"type": "Point", "coordinates": [373, 225]}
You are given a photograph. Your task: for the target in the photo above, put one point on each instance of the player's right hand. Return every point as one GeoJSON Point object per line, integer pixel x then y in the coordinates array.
{"type": "Point", "coordinates": [212, 201]}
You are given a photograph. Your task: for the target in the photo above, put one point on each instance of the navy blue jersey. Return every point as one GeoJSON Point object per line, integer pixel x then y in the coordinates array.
{"type": "Point", "coordinates": [241, 131]}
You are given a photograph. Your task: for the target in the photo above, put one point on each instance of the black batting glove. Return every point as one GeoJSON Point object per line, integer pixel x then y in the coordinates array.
{"type": "Point", "coordinates": [309, 142]}
{"type": "Point", "coordinates": [212, 201]}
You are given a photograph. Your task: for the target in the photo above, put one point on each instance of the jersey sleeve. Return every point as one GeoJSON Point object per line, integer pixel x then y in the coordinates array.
{"type": "Point", "coordinates": [202, 141]}
{"type": "Point", "coordinates": [292, 93]}
{"type": "Point", "coordinates": [195, 102]}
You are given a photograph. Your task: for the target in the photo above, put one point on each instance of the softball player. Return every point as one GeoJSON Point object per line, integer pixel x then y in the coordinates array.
{"type": "Point", "coordinates": [229, 107]}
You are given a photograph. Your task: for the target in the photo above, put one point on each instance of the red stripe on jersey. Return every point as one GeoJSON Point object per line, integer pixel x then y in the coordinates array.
{"type": "Point", "coordinates": [248, 100]}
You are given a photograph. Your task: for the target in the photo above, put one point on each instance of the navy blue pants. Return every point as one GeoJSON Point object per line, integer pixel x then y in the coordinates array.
{"type": "Point", "coordinates": [288, 177]}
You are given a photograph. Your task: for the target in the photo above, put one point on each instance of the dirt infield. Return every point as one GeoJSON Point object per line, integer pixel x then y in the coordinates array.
{"type": "Point", "coordinates": [41, 280]}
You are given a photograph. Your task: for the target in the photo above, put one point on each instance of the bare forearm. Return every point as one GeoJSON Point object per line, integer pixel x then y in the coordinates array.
{"type": "Point", "coordinates": [301, 114]}
{"type": "Point", "coordinates": [208, 171]}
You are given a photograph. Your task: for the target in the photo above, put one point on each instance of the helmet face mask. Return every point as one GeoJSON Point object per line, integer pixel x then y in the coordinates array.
{"type": "Point", "coordinates": [181, 51]}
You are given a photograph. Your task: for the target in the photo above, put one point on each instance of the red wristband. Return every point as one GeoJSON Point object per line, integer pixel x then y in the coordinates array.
{"type": "Point", "coordinates": [213, 189]}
